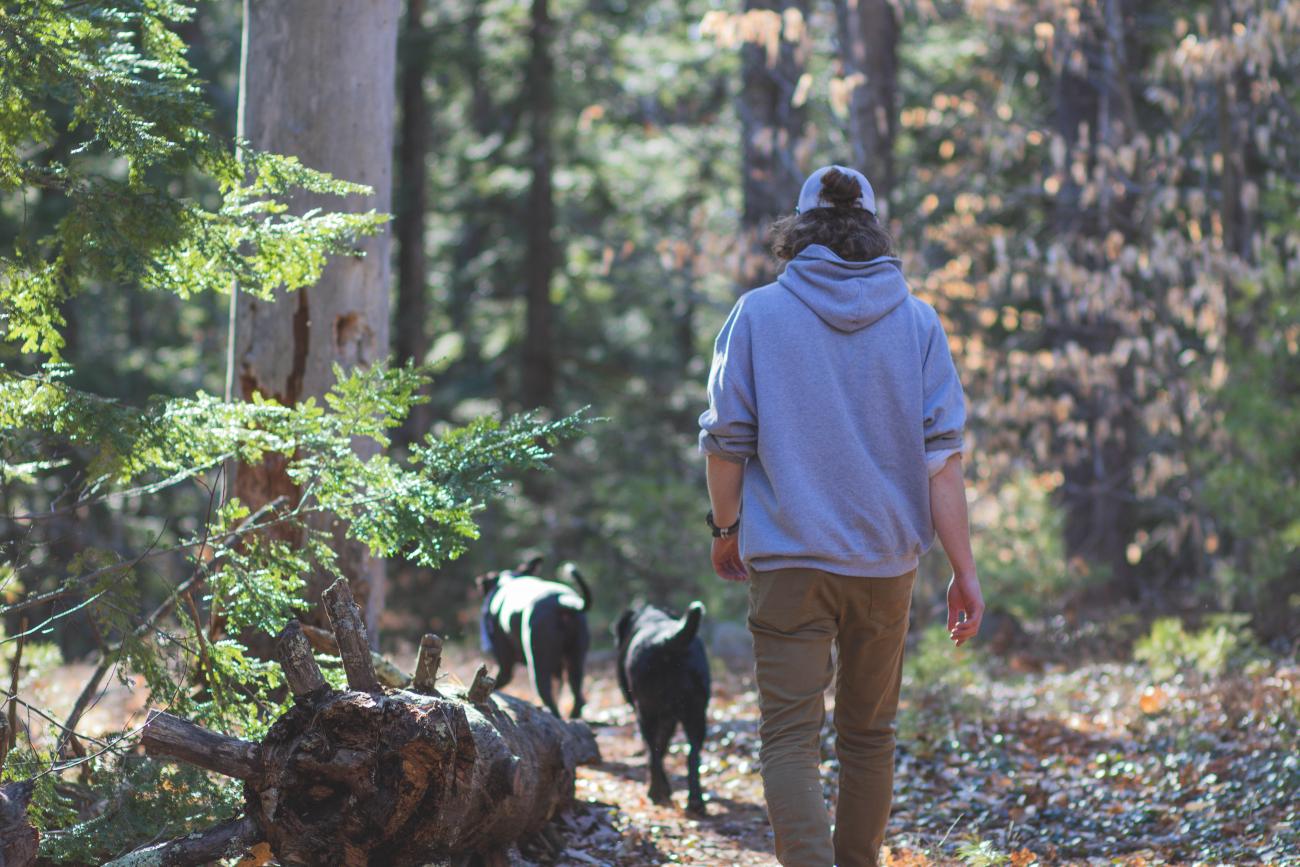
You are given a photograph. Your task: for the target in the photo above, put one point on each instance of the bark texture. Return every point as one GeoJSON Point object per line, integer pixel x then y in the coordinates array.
{"type": "Point", "coordinates": [228, 840]}
{"type": "Point", "coordinates": [317, 83]}
{"type": "Point", "coordinates": [364, 776]}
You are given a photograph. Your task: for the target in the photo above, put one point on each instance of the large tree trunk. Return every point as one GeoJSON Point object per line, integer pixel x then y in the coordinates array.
{"type": "Point", "coordinates": [400, 778]}
{"type": "Point", "coordinates": [538, 379]}
{"type": "Point", "coordinates": [317, 83]}
{"type": "Point", "coordinates": [411, 322]}
{"type": "Point", "coordinates": [869, 47]}
{"type": "Point", "coordinates": [772, 131]}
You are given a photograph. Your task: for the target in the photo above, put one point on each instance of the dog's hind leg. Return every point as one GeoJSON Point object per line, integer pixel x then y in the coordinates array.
{"type": "Point", "coordinates": [695, 723]}
{"type": "Point", "coordinates": [657, 733]}
{"type": "Point", "coordinates": [544, 665]}
{"type": "Point", "coordinates": [505, 666]}
{"type": "Point", "coordinates": [575, 660]}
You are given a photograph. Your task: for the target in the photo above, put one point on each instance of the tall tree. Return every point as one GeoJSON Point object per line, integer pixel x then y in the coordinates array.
{"type": "Point", "coordinates": [869, 56]}
{"type": "Point", "coordinates": [538, 380]}
{"type": "Point", "coordinates": [773, 122]}
{"type": "Point", "coordinates": [318, 83]}
{"type": "Point", "coordinates": [1095, 116]}
{"type": "Point", "coordinates": [412, 342]}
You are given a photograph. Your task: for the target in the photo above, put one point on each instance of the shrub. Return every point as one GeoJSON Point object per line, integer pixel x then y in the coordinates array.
{"type": "Point", "coordinates": [1224, 643]}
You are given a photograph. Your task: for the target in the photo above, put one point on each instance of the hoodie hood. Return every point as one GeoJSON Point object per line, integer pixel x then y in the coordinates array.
{"type": "Point", "coordinates": [848, 296]}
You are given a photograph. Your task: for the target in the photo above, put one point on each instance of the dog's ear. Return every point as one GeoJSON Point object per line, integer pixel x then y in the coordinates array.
{"type": "Point", "coordinates": [532, 567]}
{"type": "Point", "coordinates": [623, 628]}
{"type": "Point", "coordinates": [487, 582]}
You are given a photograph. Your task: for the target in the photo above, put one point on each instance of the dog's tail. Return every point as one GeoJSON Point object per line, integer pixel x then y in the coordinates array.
{"type": "Point", "coordinates": [571, 574]}
{"type": "Point", "coordinates": [689, 626]}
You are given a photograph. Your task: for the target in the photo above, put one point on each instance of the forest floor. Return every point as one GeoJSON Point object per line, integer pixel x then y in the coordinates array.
{"type": "Point", "coordinates": [1090, 765]}
{"type": "Point", "coordinates": [1006, 761]}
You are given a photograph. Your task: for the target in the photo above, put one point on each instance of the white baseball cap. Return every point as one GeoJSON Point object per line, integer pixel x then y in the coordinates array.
{"type": "Point", "coordinates": [810, 196]}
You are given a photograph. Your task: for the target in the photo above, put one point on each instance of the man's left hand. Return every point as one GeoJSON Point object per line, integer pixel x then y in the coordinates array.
{"type": "Point", "coordinates": [726, 559]}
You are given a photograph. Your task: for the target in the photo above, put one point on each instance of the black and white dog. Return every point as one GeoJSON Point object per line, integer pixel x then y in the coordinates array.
{"type": "Point", "coordinates": [664, 673]}
{"type": "Point", "coordinates": [540, 623]}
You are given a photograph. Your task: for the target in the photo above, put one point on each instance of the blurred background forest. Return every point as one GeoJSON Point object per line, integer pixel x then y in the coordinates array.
{"type": "Point", "coordinates": [1100, 197]}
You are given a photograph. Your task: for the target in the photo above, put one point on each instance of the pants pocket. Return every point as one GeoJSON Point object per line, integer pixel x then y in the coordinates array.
{"type": "Point", "coordinates": [891, 599]}
{"type": "Point", "coordinates": [787, 601]}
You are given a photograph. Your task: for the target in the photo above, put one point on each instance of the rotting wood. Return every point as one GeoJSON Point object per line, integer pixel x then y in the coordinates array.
{"type": "Point", "coordinates": [399, 778]}
{"type": "Point", "coordinates": [482, 686]}
{"type": "Point", "coordinates": [350, 633]}
{"type": "Point", "coordinates": [176, 738]}
{"type": "Point", "coordinates": [323, 641]}
{"type": "Point", "coordinates": [426, 665]}
{"type": "Point", "coordinates": [300, 669]}
{"type": "Point", "coordinates": [230, 839]}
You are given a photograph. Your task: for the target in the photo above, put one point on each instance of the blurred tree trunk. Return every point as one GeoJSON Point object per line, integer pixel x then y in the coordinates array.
{"type": "Point", "coordinates": [1234, 145]}
{"type": "Point", "coordinates": [773, 125]}
{"type": "Point", "coordinates": [472, 233]}
{"type": "Point", "coordinates": [318, 83]}
{"type": "Point", "coordinates": [538, 379]}
{"type": "Point", "coordinates": [869, 47]}
{"type": "Point", "coordinates": [412, 199]}
{"type": "Point", "coordinates": [1094, 117]}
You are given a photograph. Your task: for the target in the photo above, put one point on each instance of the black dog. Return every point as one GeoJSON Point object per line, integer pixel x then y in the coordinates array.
{"type": "Point", "coordinates": [664, 673]}
{"type": "Point", "coordinates": [540, 623]}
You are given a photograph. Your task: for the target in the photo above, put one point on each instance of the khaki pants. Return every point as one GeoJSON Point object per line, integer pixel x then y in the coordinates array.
{"type": "Point", "coordinates": [795, 615]}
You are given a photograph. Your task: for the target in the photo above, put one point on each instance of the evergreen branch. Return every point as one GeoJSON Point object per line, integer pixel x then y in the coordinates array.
{"type": "Point", "coordinates": [141, 490]}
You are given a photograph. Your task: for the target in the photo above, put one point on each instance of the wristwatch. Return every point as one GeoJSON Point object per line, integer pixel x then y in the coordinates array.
{"type": "Point", "coordinates": [722, 532]}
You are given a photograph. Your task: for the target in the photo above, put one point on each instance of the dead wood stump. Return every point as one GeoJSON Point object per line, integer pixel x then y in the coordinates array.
{"type": "Point", "coordinates": [369, 777]}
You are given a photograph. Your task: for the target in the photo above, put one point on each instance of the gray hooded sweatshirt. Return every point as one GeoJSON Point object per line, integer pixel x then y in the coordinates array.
{"type": "Point", "coordinates": [835, 387]}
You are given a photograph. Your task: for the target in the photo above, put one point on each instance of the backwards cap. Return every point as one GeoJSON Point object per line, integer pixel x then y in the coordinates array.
{"type": "Point", "coordinates": [810, 196]}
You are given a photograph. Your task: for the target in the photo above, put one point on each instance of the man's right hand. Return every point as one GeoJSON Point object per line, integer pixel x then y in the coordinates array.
{"type": "Point", "coordinates": [965, 607]}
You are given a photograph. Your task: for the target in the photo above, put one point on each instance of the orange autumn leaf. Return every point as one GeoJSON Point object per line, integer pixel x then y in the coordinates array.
{"type": "Point", "coordinates": [1153, 699]}
{"type": "Point", "coordinates": [1023, 858]}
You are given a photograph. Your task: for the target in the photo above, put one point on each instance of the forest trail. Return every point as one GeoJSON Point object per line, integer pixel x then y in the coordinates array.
{"type": "Point", "coordinates": [1085, 765]}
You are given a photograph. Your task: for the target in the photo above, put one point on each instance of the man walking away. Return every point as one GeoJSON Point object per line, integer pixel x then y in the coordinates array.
{"type": "Point", "coordinates": [833, 440]}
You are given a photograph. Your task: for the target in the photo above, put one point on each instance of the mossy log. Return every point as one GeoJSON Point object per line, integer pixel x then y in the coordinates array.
{"type": "Point", "coordinates": [399, 777]}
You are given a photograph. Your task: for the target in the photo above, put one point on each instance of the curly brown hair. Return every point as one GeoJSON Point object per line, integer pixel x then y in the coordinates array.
{"type": "Point", "coordinates": [852, 233]}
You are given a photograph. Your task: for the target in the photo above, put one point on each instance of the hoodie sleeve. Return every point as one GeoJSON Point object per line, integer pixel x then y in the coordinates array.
{"type": "Point", "coordinates": [729, 427]}
{"type": "Point", "coordinates": [945, 405]}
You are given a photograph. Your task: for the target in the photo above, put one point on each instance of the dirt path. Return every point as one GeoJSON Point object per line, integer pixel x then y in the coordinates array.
{"type": "Point", "coordinates": [1090, 765]}
{"type": "Point", "coordinates": [734, 832]}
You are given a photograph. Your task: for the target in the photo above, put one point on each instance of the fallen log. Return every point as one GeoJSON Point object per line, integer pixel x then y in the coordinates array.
{"type": "Point", "coordinates": [227, 840]}
{"type": "Point", "coordinates": [401, 777]}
